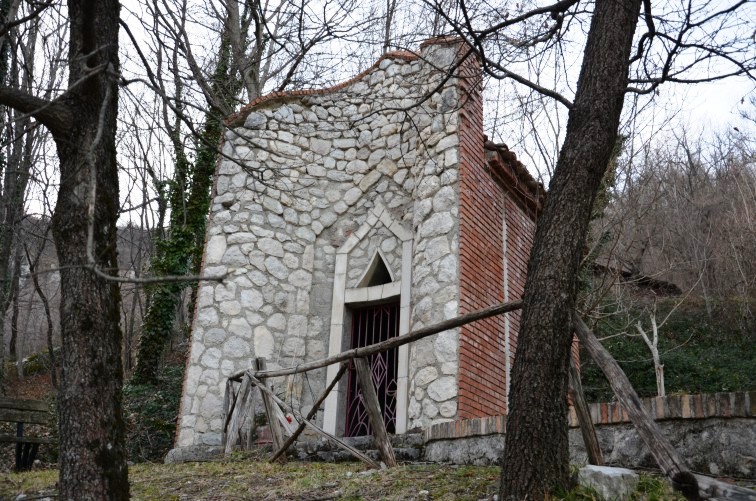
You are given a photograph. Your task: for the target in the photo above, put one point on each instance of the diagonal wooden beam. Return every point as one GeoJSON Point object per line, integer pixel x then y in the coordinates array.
{"type": "Point", "coordinates": [374, 412]}
{"type": "Point", "coordinates": [410, 337]}
{"type": "Point", "coordinates": [359, 455]}
{"type": "Point", "coordinates": [311, 414]}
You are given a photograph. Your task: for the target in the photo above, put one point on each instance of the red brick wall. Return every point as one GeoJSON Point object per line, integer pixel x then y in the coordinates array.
{"type": "Point", "coordinates": [484, 203]}
{"type": "Point", "coordinates": [520, 230]}
{"type": "Point", "coordinates": [482, 387]}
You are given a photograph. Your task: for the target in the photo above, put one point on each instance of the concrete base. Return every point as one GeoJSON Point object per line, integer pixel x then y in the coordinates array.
{"type": "Point", "coordinates": [611, 484]}
{"type": "Point", "coordinates": [193, 453]}
{"type": "Point", "coordinates": [716, 447]}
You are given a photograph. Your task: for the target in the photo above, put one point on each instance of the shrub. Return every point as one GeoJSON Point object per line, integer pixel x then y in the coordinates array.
{"type": "Point", "coordinates": [151, 413]}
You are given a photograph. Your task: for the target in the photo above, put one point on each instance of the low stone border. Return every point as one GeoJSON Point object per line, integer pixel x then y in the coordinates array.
{"type": "Point", "coordinates": [715, 433]}
{"type": "Point", "coordinates": [715, 405]}
{"type": "Point", "coordinates": [723, 405]}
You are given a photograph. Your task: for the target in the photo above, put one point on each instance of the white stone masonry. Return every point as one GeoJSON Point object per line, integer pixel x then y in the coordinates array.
{"type": "Point", "coordinates": [299, 178]}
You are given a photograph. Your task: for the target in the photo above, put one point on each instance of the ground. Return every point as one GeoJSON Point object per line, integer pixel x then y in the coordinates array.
{"type": "Point", "coordinates": [252, 478]}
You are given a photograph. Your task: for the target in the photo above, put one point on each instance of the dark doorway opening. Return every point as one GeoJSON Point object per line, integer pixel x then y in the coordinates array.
{"type": "Point", "coordinates": [371, 325]}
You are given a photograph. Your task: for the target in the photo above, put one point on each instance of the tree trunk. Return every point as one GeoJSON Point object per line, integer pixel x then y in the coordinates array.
{"type": "Point", "coordinates": [92, 452]}
{"type": "Point", "coordinates": [536, 459]}
{"type": "Point", "coordinates": [14, 298]}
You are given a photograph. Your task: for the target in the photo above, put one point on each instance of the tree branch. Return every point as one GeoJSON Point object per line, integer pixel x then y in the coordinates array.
{"type": "Point", "coordinates": [54, 115]}
{"type": "Point", "coordinates": [6, 27]}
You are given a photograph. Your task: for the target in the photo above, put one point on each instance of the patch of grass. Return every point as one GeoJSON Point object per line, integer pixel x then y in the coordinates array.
{"type": "Point", "coordinates": [244, 478]}
{"type": "Point", "coordinates": [40, 481]}
{"type": "Point", "coordinates": [653, 488]}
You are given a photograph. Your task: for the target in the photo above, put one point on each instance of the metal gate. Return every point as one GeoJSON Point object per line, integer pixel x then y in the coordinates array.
{"type": "Point", "coordinates": [372, 325]}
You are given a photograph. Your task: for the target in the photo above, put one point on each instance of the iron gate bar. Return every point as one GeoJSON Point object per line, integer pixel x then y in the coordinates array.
{"type": "Point", "coordinates": [371, 325]}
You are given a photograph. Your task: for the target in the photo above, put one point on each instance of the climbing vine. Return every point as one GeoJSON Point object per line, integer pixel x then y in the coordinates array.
{"type": "Point", "coordinates": [180, 251]}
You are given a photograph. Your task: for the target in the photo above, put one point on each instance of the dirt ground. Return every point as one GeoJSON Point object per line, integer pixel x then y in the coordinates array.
{"type": "Point", "coordinates": [253, 479]}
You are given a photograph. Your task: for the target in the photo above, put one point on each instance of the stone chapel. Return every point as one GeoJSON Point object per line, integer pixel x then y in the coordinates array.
{"type": "Point", "coordinates": [348, 215]}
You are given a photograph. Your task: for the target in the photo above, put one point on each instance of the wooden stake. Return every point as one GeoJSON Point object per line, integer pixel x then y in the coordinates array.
{"type": "Point", "coordinates": [310, 414]}
{"type": "Point", "coordinates": [373, 407]}
{"type": "Point", "coordinates": [584, 417]}
{"type": "Point", "coordinates": [275, 425]}
{"type": "Point", "coordinates": [228, 409]}
{"type": "Point", "coordinates": [359, 455]}
{"type": "Point", "coordinates": [237, 416]}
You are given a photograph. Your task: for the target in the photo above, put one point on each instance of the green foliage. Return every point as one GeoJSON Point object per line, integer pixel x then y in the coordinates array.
{"type": "Point", "coordinates": [39, 363]}
{"type": "Point", "coordinates": [151, 413]}
{"type": "Point", "coordinates": [700, 354]}
{"type": "Point", "coordinates": [189, 196]}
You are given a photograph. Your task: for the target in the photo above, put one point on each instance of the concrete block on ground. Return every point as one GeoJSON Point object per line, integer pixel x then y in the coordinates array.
{"type": "Point", "coordinates": [610, 483]}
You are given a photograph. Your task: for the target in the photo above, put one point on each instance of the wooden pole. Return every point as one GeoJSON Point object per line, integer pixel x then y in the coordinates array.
{"type": "Point", "coordinates": [228, 408]}
{"type": "Point", "coordinates": [359, 455]}
{"type": "Point", "coordinates": [374, 412]}
{"type": "Point", "coordinates": [692, 486]}
{"type": "Point", "coordinates": [584, 417]}
{"type": "Point", "coordinates": [310, 414]}
{"type": "Point", "coordinates": [237, 417]}
{"type": "Point", "coordinates": [275, 425]}
{"type": "Point", "coordinates": [410, 337]}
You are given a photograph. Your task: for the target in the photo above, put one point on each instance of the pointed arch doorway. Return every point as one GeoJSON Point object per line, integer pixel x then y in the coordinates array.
{"type": "Point", "coordinates": [377, 307]}
{"type": "Point", "coordinates": [372, 324]}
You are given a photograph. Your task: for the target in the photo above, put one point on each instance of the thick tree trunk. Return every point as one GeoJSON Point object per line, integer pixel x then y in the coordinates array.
{"type": "Point", "coordinates": [92, 452]}
{"type": "Point", "coordinates": [536, 457]}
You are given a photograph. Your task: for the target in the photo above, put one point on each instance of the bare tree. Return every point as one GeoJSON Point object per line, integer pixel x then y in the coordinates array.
{"type": "Point", "coordinates": [20, 45]}
{"type": "Point", "coordinates": [82, 121]}
{"type": "Point", "coordinates": [678, 43]}
{"type": "Point", "coordinates": [260, 46]}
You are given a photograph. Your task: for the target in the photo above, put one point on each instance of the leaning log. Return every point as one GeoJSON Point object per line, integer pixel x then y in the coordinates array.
{"type": "Point", "coordinates": [692, 486]}
{"type": "Point", "coordinates": [365, 351]}
{"type": "Point", "coordinates": [373, 406]}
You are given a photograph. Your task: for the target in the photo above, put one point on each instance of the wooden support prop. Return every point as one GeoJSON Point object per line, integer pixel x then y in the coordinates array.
{"type": "Point", "coordinates": [359, 455]}
{"type": "Point", "coordinates": [584, 417]}
{"type": "Point", "coordinates": [231, 436]}
{"type": "Point", "coordinates": [374, 412]}
{"type": "Point", "coordinates": [692, 486]}
{"type": "Point", "coordinates": [410, 337]}
{"type": "Point", "coordinates": [275, 425]}
{"type": "Point", "coordinates": [248, 422]}
{"type": "Point", "coordinates": [243, 414]}
{"type": "Point", "coordinates": [228, 409]}
{"type": "Point", "coordinates": [302, 425]}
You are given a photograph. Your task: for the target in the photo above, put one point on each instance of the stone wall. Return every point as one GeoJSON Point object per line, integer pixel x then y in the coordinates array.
{"type": "Point", "coordinates": [301, 174]}
{"type": "Point", "coordinates": [715, 434]}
